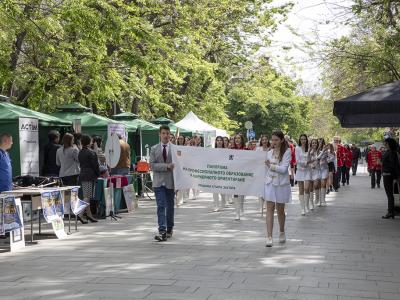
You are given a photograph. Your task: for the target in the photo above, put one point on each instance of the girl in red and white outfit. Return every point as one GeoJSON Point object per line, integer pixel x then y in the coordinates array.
{"type": "Point", "coordinates": [277, 184]}
{"type": "Point", "coordinates": [264, 146]}
{"type": "Point", "coordinates": [303, 173]}
{"type": "Point", "coordinates": [239, 144]}
{"type": "Point", "coordinates": [219, 144]}
{"type": "Point", "coordinates": [348, 158]}
{"type": "Point", "coordinates": [315, 172]}
{"type": "Point", "coordinates": [324, 168]}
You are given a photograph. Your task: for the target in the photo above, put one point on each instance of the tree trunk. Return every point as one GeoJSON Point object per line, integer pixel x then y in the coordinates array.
{"type": "Point", "coordinates": [135, 105]}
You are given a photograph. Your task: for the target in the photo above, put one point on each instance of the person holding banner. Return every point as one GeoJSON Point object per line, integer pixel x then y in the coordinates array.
{"type": "Point", "coordinates": [163, 184]}
{"type": "Point", "coordinates": [277, 188]}
{"type": "Point", "coordinates": [219, 143]}
{"type": "Point", "coordinates": [303, 173]}
{"type": "Point", "coordinates": [196, 143]}
{"type": "Point", "coordinates": [239, 144]}
{"type": "Point", "coordinates": [265, 145]}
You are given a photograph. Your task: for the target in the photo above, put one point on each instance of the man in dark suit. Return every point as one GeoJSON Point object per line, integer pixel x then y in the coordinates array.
{"type": "Point", "coordinates": [163, 184]}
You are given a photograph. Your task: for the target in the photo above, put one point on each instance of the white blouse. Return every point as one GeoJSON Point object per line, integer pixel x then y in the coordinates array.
{"type": "Point", "coordinates": [278, 172]}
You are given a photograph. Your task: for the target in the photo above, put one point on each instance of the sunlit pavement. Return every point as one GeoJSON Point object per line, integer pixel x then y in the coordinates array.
{"type": "Point", "coordinates": [343, 251]}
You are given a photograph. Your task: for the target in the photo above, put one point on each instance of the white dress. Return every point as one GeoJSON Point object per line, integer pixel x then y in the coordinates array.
{"type": "Point", "coordinates": [314, 166]}
{"type": "Point", "coordinates": [323, 164]}
{"type": "Point", "coordinates": [277, 184]}
{"type": "Point", "coordinates": [303, 172]}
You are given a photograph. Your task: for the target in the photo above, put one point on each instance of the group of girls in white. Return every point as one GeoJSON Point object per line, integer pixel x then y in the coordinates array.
{"type": "Point", "coordinates": [315, 162]}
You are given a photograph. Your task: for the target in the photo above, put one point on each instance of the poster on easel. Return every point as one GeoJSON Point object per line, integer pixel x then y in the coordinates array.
{"type": "Point", "coordinates": [11, 216]}
{"type": "Point", "coordinates": [2, 230]}
{"type": "Point", "coordinates": [119, 129]}
{"type": "Point", "coordinates": [29, 146]}
{"type": "Point", "coordinates": [77, 205]}
{"type": "Point", "coordinates": [58, 203]}
{"type": "Point", "coordinates": [17, 238]}
{"type": "Point", "coordinates": [48, 207]}
{"type": "Point", "coordinates": [58, 228]}
{"type": "Point", "coordinates": [108, 198]}
{"type": "Point", "coordinates": [130, 197]}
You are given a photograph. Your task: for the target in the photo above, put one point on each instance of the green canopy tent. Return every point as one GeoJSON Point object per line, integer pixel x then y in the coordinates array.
{"type": "Point", "coordinates": [146, 132]}
{"type": "Point", "coordinates": [9, 123]}
{"type": "Point", "coordinates": [91, 123]}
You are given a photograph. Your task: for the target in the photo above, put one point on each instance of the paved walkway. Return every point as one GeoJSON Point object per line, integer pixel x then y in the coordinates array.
{"type": "Point", "coordinates": [343, 251]}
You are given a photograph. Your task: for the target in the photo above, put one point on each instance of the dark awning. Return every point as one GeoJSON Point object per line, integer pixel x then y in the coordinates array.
{"type": "Point", "coordinates": [377, 107]}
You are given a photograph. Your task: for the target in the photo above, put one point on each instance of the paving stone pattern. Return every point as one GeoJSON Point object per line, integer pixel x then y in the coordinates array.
{"type": "Point", "coordinates": [341, 252]}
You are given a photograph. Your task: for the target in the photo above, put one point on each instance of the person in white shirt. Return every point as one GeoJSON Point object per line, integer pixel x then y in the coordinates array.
{"type": "Point", "coordinates": [265, 145]}
{"type": "Point", "coordinates": [277, 184]}
{"type": "Point", "coordinates": [303, 173]}
{"type": "Point", "coordinates": [315, 172]}
{"type": "Point", "coordinates": [219, 144]}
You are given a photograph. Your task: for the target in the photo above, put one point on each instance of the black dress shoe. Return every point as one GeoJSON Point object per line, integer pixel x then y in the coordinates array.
{"type": "Point", "coordinates": [372, 187]}
{"type": "Point", "coordinates": [161, 237]}
{"type": "Point", "coordinates": [91, 219]}
{"type": "Point", "coordinates": [169, 233]}
{"type": "Point", "coordinates": [388, 216]}
{"type": "Point", "coordinates": [81, 220]}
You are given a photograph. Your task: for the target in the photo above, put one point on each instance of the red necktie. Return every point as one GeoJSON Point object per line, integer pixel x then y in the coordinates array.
{"type": "Point", "coordinates": [164, 153]}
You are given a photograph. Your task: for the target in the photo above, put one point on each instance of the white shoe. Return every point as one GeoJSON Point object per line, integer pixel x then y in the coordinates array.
{"type": "Point", "coordinates": [282, 238]}
{"type": "Point", "coordinates": [269, 242]}
{"type": "Point", "coordinates": [312, 201]}
{"type": "Point", "coordinates": [303, 212]}
{"type": "Point", "coordinates": [307, 202]}
{"type": "Point", "coordinates": [216, 209]}
{"type": "Point", "coordinates": [237, 218]}
{"type": "Point", "coordinates": [302, 205]}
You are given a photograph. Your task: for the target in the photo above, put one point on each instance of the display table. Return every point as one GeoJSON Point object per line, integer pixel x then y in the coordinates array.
{"type": "Point", "coordinates": [119, 200]}
{"type": "Point", "coordinates": [32, 195]}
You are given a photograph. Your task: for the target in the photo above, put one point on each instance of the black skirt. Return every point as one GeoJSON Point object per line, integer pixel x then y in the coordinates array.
{"type": "Point", "coordinates": [331, 167]}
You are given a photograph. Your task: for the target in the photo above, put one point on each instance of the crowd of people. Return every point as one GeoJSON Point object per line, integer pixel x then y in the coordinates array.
{"type": "Point", "coordinates": [316, 167]}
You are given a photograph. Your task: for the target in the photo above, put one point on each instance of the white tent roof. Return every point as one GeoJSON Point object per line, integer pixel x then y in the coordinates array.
{"type": "Point", "coordinates": [192, 122]}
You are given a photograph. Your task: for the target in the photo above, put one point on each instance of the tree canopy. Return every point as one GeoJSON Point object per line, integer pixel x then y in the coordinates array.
{"type": "Point", "coordinates": [154, 58]}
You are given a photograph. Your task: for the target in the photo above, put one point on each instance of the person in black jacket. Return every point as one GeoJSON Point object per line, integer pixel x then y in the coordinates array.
{"type": "Point", "coordinates": [356, 156]}
{"type": "Point", "coordinates": [50, 167]}
{"type": "Point", "coordinates": [90, 171]}
{"type": "Point", "coordinates": [390, 172]}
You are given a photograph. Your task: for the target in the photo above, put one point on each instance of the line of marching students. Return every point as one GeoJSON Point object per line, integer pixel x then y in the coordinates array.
{"type": "Point", "coordinates": [317, 167]}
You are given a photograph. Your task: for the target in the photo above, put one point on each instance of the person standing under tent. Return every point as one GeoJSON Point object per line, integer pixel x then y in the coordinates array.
{"type": "Point", "coordinates": [90, 171]}
{"type": "Point", "coordinates": [315, 173]}
{"type": "Point", "coordinates": [163, 184]}
{"type": "Point", "coordinates": [181, 195]}
{"type": "Point", "coordinates": [375, 166]}
{"type": "Point", "coordinates": [303, 173]}
{"type": "Point", "coordinates": [124, 163]}
{"type": "Point", "coordinates": [277, 188]}
{"type": "Point", "coordinates": [239, 144]}
{"type": "Point", "coordinates": [50, 167]}
{"type": "Point", "coordinates": [356, 156]}
{"type": "Point", "coordinates": [324, 169]}
{"type": "Point", "coordinates": [219, 144]}
{"type": "Point", "coordinates": [6, 143]}
{"type": "Point", "coordinates": [265, 145]}
{"type": "Point", "coordinates": [68, 161]}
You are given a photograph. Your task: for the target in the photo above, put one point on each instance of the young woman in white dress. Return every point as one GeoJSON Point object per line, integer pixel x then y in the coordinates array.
{"type": "Point", "coordinates": [315, 172]}
{"type": "Point", "coordinates": [196, 143]}
{"type": "Point", "coordinates": [278, 191]}
{"type": "Point", "coordinates": [303, 173]}
{"type": "Point", "coordinates": [264, 146]}
{"type": "Point", "coordinates": [239, 144]}
{"type": "Point", "coordinates": [323, 163]}
{"type": "Point", "coordinates": [227, 145]}
{"type": "Point", "coordinates": [219, 143]}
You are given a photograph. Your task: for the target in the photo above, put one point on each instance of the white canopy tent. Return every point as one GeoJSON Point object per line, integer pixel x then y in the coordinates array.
{"type": "Point", "coordinates": [193, 123]}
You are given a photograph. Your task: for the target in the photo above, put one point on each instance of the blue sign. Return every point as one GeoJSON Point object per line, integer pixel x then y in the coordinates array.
{"type": "Point", "coordinates": [251, 134]}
